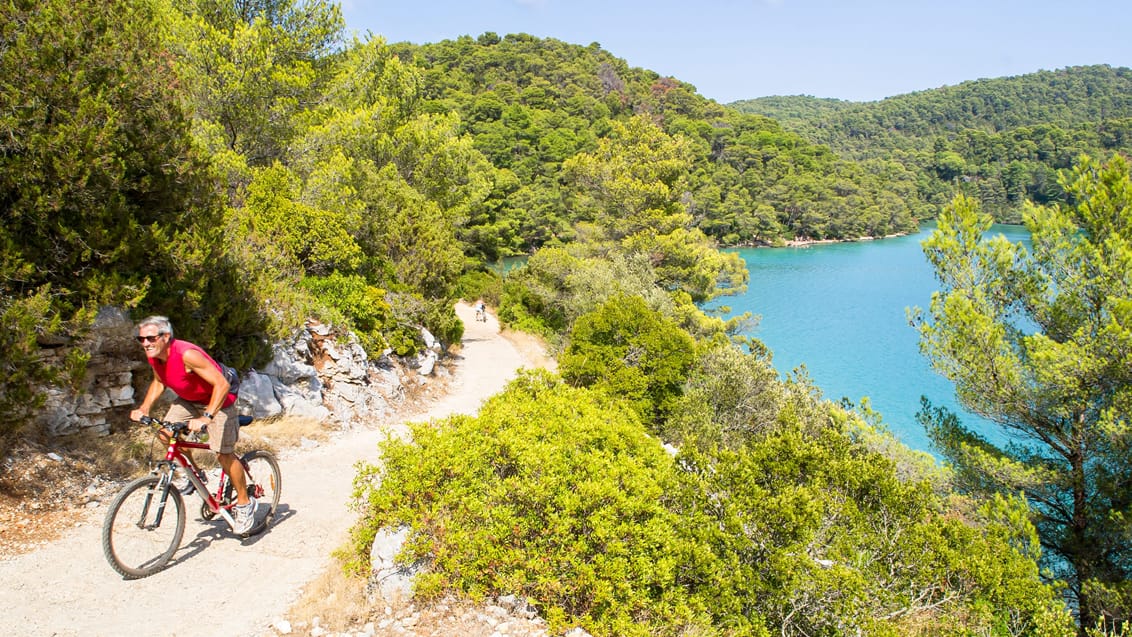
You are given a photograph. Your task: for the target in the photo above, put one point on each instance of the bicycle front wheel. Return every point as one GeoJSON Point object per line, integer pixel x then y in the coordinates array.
{"type": "Point", "coordinates": [265, 482]}
{"type": "Point", "coordinates": [143, 528]}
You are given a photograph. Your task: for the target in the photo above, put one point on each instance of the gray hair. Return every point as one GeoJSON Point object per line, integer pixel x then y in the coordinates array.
{"type": "Point", "coordinates": [160, 322]}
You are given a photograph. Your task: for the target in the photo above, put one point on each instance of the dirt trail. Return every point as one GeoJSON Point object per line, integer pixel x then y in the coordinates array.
{"type": "Point", "coordinates": [67, 588]}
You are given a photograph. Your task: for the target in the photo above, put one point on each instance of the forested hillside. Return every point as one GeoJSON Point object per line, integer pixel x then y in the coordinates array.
{"type": "Point", "coordinates": [1000, 141]}
{"type": "Point", "coordinates": [530, 104]}
{"type": "Point", "coordinates": [244, 167]}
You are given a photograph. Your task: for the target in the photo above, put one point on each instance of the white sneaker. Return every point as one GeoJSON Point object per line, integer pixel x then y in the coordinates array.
{"type": "Point", "coordinates": [189, 488]}
{"type": "Point", "coordinates": [245, 516]}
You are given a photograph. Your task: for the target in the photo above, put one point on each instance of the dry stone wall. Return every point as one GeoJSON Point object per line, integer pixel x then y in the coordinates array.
{"type": "Point", "coordinates": [109, 392]}
{"type": "Point", "coordinates": [317, 373]}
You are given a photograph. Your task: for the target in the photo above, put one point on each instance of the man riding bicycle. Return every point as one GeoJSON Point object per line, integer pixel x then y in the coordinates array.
{"type": "Point", "coordinates": [203, 400]}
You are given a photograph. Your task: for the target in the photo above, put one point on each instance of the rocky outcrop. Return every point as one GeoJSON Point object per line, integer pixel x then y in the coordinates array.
{"type": "Point", "coordinates": [326, 376]}
{"type": "Point", "coordinates": [318, 374]}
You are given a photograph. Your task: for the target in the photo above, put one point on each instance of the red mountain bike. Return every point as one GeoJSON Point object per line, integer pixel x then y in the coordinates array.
{"type": "Point", "coordinates": [146, 520]}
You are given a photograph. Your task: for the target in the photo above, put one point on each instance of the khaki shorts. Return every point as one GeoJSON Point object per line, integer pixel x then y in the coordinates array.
{"type": "Point", "coordinates": [223, 431]}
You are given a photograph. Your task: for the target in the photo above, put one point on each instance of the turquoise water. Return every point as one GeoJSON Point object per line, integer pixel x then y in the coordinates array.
{"type": "Point", "coordinates": [839, 309]}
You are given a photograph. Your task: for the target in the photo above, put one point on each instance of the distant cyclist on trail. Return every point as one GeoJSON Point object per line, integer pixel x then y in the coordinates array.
{"type": "Point", "coordinates": [203, 400]}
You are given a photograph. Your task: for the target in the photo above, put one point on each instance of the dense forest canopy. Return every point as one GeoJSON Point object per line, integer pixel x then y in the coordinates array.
{"type": "Point", "coordinates": [243, 166]}
{"type": "Point", "coordinates": [1000, 141]}
{"type": "Point", "coordinates": [531, 103]}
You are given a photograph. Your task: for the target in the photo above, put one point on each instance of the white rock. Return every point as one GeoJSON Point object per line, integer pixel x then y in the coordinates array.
{"type": "Point", "coordinates": [426, 362]}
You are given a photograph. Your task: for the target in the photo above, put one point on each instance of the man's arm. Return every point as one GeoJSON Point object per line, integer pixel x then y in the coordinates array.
{"type": "Point", "coordinates": [198, 364]}
{"type": "Point", "coordinates": [156, 388]}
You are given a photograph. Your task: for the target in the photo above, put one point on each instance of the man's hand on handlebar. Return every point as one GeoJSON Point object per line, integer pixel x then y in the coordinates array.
{"type": "Point", "coordinates": [166, 430]}
{"type": "Point", "coordinates": [196, 425]}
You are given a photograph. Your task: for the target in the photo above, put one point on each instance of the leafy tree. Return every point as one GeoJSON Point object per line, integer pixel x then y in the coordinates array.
{"type": "Point", "coordinates": [415, 235]}
{"type": "Point", "coordinates": [97, 169]}
{"type": "Point", "coordinates": [1039, 343]}
{"type": "Point", "coordinates": [406, 181]}
{"type": "Point", "coordinates": [320, 239]}
{"type": "Point", "coordinates": [633, 181]}
{"type": "Point", "coordinates": [103, 197]}
{"type": "Point", "coordinates": [728, 398]}
{"type": "Point", "coordinates": [629, 350]}
{"type": "Point", "coordinates": [253, 66]}
{"type": "Point", "coordinates": [631, 188]}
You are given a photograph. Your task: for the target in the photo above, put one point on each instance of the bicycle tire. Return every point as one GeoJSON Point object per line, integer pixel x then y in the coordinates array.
{"type": "Point", "coordinates": [136, 549]}
{"type": "Point", "coordinates": [265, 481]}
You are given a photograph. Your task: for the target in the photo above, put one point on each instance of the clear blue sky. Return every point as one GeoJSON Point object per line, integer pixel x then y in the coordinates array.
{"type": "Point", "coordinates": [859, 50]}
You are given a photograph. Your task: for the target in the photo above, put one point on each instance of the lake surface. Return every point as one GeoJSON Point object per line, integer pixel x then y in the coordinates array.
{"type": "Point", "coordinates": [839, 309]}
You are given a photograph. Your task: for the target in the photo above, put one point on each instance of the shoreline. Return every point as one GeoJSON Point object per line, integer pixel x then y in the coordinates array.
{"type": "Point", "coordinates": [805, 243]}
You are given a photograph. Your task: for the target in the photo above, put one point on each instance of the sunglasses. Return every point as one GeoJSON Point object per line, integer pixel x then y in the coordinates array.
{"type": "Point", "coordinates": [149, 339]}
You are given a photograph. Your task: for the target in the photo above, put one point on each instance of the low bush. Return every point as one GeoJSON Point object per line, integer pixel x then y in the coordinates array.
{"type": "Point", "coordinates": [788, 523]}
{"type": "Point", "coordinates": [480, 285]}
{"type": "Point", "coordinates": [552, 493]}
{"type": "Point", "coordinates": [24, 372]}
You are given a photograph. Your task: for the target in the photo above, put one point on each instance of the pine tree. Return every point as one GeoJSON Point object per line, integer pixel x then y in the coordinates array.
{"type": "Point", "coordinates": [1040, 342]}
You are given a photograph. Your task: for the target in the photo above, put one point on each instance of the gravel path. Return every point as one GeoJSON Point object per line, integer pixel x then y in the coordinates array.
{"type": "Point", "coordinates": [218, 584]}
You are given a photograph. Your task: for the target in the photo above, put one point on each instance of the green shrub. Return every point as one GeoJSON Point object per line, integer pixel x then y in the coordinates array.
{"type": "Point", "coordinates": [826, 539]}
{"type": "Point", "coordinates": [528, 306]}
{"type": "Point", "coordinates": [629, 350]}
{"type": "Point", "coordinates": [536, 296]}
{"type": "Point", "coordinates": [440, 319]}
{"type": "Point", "coordinates": [728, 397]}
{"type": "Point", "coordinates": [361, 305]}
{"type": "Point", "coordinates": [411, 311]}
{"type": "Point", "coordinates": [24, 373]}
{"type": "Point", "coordinates": [384, 319]}
{"type": "Point", "coordinates": [480, 285]}
{"type": "Point", "coordinates": [555, 494]}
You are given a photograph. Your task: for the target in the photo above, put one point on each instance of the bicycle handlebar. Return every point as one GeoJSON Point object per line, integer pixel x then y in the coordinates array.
{"type": "Point", "coordinates": [175, 427]}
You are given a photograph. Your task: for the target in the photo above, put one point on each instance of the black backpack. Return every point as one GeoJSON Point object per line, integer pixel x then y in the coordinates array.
{"type": "Point", "coordinates": [232, 376]}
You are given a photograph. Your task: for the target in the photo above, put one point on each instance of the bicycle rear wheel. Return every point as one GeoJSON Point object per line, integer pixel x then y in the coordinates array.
{"type": "Point", "coordinates": [265, 482]}
{"type": "Point", "coordinates": [140, 535]}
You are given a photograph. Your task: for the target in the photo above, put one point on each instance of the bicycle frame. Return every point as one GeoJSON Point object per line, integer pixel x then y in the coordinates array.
{"type": "Point", "coordinates": [215, 503]}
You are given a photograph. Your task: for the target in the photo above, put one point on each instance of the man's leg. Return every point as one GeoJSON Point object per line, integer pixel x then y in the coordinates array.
{"type": "Point", "coordinates": [223, 432]}
{"type": "Point", "coordinates": [235, 471]}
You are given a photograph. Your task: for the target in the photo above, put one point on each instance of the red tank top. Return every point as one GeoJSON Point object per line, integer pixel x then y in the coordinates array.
{"type": "Point", "coordinates": [172, 374]}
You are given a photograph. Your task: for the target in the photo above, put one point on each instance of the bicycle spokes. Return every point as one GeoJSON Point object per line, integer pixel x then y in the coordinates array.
{"type": "Point", "coordinates": [138, 538]}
